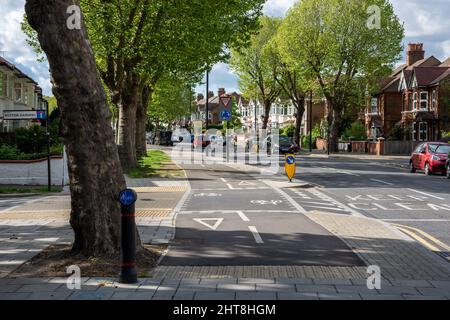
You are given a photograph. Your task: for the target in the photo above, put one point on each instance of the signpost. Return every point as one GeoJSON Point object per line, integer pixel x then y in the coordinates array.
{"type": "Point", "coordinates": [290, 166]}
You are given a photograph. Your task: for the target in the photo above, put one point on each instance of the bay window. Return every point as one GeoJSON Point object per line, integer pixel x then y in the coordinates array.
{"type": "Point", "coordinates": [424, 100]}
{"type": "Point", "coordinates": [18, 92]}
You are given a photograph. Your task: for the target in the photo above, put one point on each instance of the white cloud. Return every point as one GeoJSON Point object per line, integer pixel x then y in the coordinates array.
{"type": "Point", "coordinates": [14, 47]}
{"type": "Point", "coordinates": [425, 21]}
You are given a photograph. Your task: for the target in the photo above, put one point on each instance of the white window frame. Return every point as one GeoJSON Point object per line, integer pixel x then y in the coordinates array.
{"type": "Point", "coordinates": [415, 101]}
{"type": "Point", "coordinates": [424, 100]}
{"type": "Point", "coordinates": [422, 130]}
{"type": "Point", "coordinates": [374, 104]}
{"type": "Point", "coordinates": [25, 95]}
{"type": "Point", "coordinates": [20, 99]}
{"type": "Point", "coordinates": [414, 132]}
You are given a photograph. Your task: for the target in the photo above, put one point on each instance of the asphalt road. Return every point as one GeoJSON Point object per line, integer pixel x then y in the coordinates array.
{"type": "Point", "coordinates": [378, 190]}
{"type": "Point", "coordinates": [232, 218]}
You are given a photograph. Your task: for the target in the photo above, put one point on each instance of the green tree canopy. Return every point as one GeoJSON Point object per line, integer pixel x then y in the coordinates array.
{"type": "Point", "coordinates": [346, 54]}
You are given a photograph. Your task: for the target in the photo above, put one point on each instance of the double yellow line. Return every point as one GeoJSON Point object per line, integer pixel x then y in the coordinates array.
{"type": "Point", "coordinates": [424, 238]}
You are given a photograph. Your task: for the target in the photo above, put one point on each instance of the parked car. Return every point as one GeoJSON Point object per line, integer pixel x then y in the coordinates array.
{"type": "Point", "coordinates": [285, 144]}
{"type": "Point", "coordinates": [447, 166]}
{"type": "Point", "coordinates": [431, 157]}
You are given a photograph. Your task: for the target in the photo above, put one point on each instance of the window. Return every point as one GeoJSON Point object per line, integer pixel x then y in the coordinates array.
{"type": "Point", "coordinates": [2, 85]}
{"type": "Point", "coordinates": [374, 106]}
{"type": "Point", "coordinates": [434, 100]}
{"type": "Point", "coordinates": [26, 95]}
{"type": "Point", "coordinates": [410, 102]}
{"type": "Point", "coordinates": [18, 92]}
{"type": "Point", "coordinates": [415, 101]}
{"type": "Point", "coordinates": [423, 131]}
{"type": "Point", "coordinates": [424, 100]}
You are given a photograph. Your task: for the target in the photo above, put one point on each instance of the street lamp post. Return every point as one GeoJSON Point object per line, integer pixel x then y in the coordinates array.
{"type": "Point", "coordinates": [49, 156]}
{"type": "Point", "coordinates": [207, 100]}
{"type": "Point", "coordinates": [310, 121]}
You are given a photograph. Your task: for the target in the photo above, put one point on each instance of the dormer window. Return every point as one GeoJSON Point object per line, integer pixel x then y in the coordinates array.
{"type": "Point", "coordinates": [424, 100]}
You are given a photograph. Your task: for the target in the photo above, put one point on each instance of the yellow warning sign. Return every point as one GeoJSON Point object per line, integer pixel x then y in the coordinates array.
{"type": "Point", "coordinates": [290, 166]}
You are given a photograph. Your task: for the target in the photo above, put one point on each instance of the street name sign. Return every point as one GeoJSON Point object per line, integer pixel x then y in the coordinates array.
{"type": "Point", "coordinates": [20, 115]}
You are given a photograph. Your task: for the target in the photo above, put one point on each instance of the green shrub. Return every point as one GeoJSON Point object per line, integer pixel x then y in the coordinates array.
{"type": "Point", "coordinates": [316, 133]}
{"type": "Point", "coordinates": [356, 132]}
{"type": "Point", "coordinates": [289, 131]}
{"type": "Point", "coordinates": [31, 140]}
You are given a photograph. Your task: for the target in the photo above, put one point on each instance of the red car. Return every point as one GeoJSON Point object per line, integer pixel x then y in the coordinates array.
{"type": "Point", "coordinates": [430, 157]}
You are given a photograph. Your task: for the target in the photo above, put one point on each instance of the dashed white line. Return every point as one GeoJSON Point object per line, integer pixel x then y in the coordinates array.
{"type": "Point", "coordinates": [383, 182]}
{"type": "Point", "coordinates": [256, 235]}
{"type": "Point", "coordinates": [243, 216]}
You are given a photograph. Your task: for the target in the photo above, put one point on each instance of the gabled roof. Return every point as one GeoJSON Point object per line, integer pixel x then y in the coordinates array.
{"type": "Point", "coordinates": [428, 62]}
{"type": "Point", "coordinates": [16, 70]}
{"type": "Point", "coordinates": [426, 75]}
{"type": "Point", "coordinates": [446, 63]}
{"type": "Point", "coordinates": [441, 77]}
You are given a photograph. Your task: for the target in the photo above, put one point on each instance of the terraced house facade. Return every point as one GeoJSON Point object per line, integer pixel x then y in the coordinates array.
{"type": "Point", "coordinates": [416, 96]}
{"type": "Point", "coordinates": [17, 92]}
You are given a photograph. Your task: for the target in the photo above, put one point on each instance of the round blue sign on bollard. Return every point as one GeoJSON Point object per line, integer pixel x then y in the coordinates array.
{"type": "Point", "coordinates": [290, 160]}
{"type": "Point", "coordinates": [127, 197]}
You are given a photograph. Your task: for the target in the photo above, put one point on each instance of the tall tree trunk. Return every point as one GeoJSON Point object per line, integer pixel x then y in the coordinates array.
{"type": "Point", "coordinates": [141, 121]}
{"type": "Point", "coordinates": [267, 107]}
{"type": "Point", "coordinates": [299, 117]}
{"type": "Point", "coordinates": [94, 169]}
{"type": "Point", "coordinates": [334, 125]}
{"type": "Point", "coordinates": [128, 105]}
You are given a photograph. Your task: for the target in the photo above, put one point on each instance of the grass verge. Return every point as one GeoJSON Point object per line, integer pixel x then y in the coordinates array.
{"type": "Point", "coordinates": [157, 164]}
{"type": "Point", "coordinates": [16, 190]}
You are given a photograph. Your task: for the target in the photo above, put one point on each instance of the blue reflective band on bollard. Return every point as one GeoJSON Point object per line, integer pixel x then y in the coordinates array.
{"type": "Point", "coordinates": [127, 197]}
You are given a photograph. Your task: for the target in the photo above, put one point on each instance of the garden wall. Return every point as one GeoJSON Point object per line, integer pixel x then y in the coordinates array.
{"type": "Point", "coordinates": [33, 172]}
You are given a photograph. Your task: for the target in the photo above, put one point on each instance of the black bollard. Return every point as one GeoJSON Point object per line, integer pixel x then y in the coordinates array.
{"type": "Point", "coordinates": [128, 272]}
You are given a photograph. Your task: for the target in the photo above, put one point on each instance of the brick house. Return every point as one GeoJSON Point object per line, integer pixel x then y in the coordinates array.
{"type": "Point", "coordinates": [17, 92]}
{"type": "Point", "coordinates": [416, 96]}
{"type": "Point", "coordinates": [216, 104]}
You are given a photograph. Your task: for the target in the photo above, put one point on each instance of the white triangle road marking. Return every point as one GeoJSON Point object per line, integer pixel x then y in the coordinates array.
{"type": "Point", "coordinates": [246, 183]}
{"type": "Point", "coordinates": [212, 227]}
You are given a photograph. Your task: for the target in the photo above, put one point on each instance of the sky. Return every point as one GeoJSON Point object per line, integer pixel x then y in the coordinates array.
{"type": "Point", "coordinates": [425, 21]}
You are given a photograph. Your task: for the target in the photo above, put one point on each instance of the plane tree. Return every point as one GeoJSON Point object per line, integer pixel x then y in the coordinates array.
{"type": "Point", "coordinates": [346, 46]}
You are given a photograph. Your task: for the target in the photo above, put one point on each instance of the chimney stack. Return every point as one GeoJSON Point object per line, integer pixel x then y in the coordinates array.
{"type": "Point", "coordinates": [221, 92]}
{"type": "Point", "coordinates": [414, 53]}
{"type": "Point", "coordinates": [210, 94]}
{"type": "Point", "coordinates": [200, 97]}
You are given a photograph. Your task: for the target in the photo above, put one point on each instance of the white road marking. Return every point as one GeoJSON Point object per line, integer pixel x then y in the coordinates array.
{"type": "Point", "coordinates": [246, 183]}
{"type": "Point", "coordinates": [243, 216]}
{"type": "Point", "coordinates": [328, 208]}
{"type": "Point", "coordinates": [324, 196]}
{"type": "Point", "coordinates": [383, 182]}
{"type": "Point", "coordinates": [426, 194]}
{"type": "Point", "coordinates": [212, 227]}
{"type": "Point", "coordinates": [294, 203]}
{"type": "Point", "coordinates": [256, 235]}
{"type": "Point", "coordinates": [349, 173]}
{"type": "Point", "coordinates": [415, 220]}
{"type": "Point", "coordinates": [319, 203]}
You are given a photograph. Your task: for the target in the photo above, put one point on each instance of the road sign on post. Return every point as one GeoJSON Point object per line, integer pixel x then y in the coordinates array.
{"type": "Point", "coordinates": [226, 115]}
{"type": "Point", "coordinates": [290, 166]}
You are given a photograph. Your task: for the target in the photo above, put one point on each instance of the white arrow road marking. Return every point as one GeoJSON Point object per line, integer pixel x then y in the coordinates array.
{"type": "Point", "coordinates": [246, 183]}
{"type": "Point", "coordinates": [256, 235]}
{"type": "Point", "coordinates": [212, 227]}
